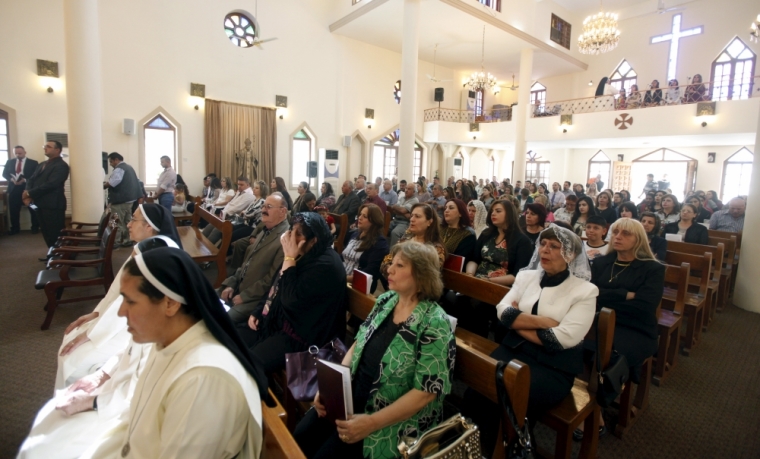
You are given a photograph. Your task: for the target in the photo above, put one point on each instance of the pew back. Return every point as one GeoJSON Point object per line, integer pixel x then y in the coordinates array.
{"type": "Point", "coordinates": [677, 278]}
{"type": "Point", "coordinates": [717, 252]}
{"type": "Point", "coordinates": [475, 288]}
{"type": "Point", "coordinates": [700, 266]}
{"type": "Point", "coordinates": [342, 221]}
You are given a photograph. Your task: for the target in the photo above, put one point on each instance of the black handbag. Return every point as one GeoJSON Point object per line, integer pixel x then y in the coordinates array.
{"type": "Point", "coordinates": [521, 447]}
{"type": "Point", "coordinates": [611, 379]}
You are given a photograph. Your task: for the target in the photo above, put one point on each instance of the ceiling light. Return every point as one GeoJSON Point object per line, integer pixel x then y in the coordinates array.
{"type": "Point", "coordinates": [754, 30]}
{"type": "Point", "coordinates": [480, 81]}
{"type": "Point", "coordinates": [600, 33]}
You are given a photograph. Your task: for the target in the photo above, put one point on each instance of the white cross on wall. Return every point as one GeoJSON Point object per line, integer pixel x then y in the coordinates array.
{"type": "Point", "coordinates": [674, 36]}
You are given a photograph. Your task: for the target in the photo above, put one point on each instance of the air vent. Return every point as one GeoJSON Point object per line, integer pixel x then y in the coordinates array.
{"type": "Point", "coordinates": [59, 136]}
{"type": "Point", "coordinates": [331, 154]}
{"type": "Point", "coordinates": [457, 161]}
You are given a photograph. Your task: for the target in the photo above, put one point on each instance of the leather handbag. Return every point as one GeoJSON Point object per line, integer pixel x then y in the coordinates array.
{"type": "Point", "coordinates": [301, 368]}
{"type": "Point", "coordinates": [611, 379]}
{"type": "Point", "coordinates": [455, 438]}
{"type": "Point", "coordinates": [521, 446]}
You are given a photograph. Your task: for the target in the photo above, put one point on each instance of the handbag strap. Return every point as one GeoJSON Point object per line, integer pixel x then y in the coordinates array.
{"type": "Point", "coordinates": [523, 435]}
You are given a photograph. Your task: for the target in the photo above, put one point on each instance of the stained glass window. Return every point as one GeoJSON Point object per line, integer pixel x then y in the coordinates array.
{"type": "Point", "coordinates": [493, 4]}
{"type": "Point", "coordinates": [240, 29]}
{"type": "Point", "coordinates": [732, 72]}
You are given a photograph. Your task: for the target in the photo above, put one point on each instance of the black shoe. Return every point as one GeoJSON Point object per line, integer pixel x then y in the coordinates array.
{"type": "Point", "coordinates": [578, 433]}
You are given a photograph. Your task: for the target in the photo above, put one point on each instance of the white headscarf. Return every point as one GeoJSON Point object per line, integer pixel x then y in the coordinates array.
{"type": "Point", "coordinates": [480, 217]}
{"type": "Point", "coordinates": [572, 253]}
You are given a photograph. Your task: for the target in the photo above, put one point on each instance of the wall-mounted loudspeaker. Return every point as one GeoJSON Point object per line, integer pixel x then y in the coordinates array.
{"type": "Point", "coordinates": [311, 169]}
{"type": "Point", "coordinates": [346, 140]}
{"type": "Point", "coordinates": [128, 126]}
{"type": "Point", "coordinates": [439, 94]}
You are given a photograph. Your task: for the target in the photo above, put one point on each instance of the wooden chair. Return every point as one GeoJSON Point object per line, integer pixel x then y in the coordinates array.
{"type": "Point", "coordinates": [387, 224]}
{"type": "Point", "coordinates": [88, 234]}
{"type": "Point", "coordinates": [720, 276]}
{"type": "Point", "coordinates": [78, 273]}
{"type": "Point", "coordinates": [630, 403]}
{"type": "Point", "coordinates": [694, 303]}
{"type": "Point", "coordinates": [342, 221]}
{"type": "Point", "coordinates": [200, 248]}
{"type": "Point", "coordinates": [669, 322]}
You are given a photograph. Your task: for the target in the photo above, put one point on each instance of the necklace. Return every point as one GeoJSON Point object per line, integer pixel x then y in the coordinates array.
{"type": "Point", "coordinates": [614, 276]}
{"type": "Point", "coordinates": [126, 448]}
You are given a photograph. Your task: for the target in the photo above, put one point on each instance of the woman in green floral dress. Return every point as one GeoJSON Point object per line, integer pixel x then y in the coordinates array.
{"type": "Point", "coordinates": [402, 365]}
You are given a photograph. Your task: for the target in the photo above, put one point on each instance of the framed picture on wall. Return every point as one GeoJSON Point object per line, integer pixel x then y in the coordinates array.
{"type": "Point", "coordinates": [621, 157]}
{"type": "Point", "coordinates": [711, 157]}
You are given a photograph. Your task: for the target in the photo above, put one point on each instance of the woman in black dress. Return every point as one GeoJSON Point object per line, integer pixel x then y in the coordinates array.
{"type": "Point", "coordinates": [604, 207]}
{"type": "Point", "coordinates": [630, 282]}
{"type": "Point", "coordinates": [651, 223]}
{"type": "Point", "coordinates": [535, 219]}
{"type": "Point", "coordinates": [688, 228]}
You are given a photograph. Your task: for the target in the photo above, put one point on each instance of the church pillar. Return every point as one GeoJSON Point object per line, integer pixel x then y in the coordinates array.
{"type": "Point", "coordinates": [409, 63]}
{"type": "Point", "coordinates": [81, 28]}
{"type": "Point", "coordinates": [565, 168]}
{"type": "Point", "coordinates": [520, 115]}
{"type": "Point", "coordinates": [747, 289]}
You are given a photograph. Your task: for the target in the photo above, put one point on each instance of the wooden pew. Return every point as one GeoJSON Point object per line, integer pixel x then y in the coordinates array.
{"type": "Point", "coordinates": [719, 274]}
{"type": "Point", "coordinates": [669, 322]}
{"type": "Point", "coordinates": [727, 235]}
{"type": "Point", "coordinates": [580, 406]}
{"type": "Point", "coordinates": [200, 248]}
{"type": "Point", "coordinates": [342, 221]}
{"type": "Point", "coordinates": [278, 441]}
{"type": "Point", "coordinates": [387, 224]}
{"type": "Point", "coordinates": [730, 262]}
{"type": "Point", "coordinates": [694, 304]}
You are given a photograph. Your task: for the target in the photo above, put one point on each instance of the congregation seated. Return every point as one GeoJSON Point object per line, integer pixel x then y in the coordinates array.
{"type": "Point", "coordinates": [477, 212]}
{"type": "Point", "coordinates": [373, 197]}
{"type": "Point", "coordinates": [109, 365]}
{"type": "Point", "coordinates": [324, 213]}
{"type": "Point", "coordinates": [303, 188]}
{"type": "Point", "coordinates": [628, 209]}
{"type": "Point", "coordinates": [278, 184]}
{"type": "Point", "coordinates": [251, 216]}
{"type": "Point", "coordinates": [658, 244]}
{"type": "Point", "coordinates": [366, 247]}
{"type": "Point", "coordinates": [424, 227]}
{"type": "Point", "coordinates": [630, 282]}
{"type": "Point", "coordinates": [95, 337]}
{"type": "Point", "coordinates": [653, 96]}
{"type": "Point", "coordinates": [456, 234]}
{"type": "Point", "coordinates": [548, 312]}
{"type": "Point", "coordinates": [635, 98]}
{"type": "Point", "coordinates": [305, 203]}
{"type": "Point", "coordinates": [235, 208]}
{"type": "Point", "coordinates": [348, 203]}
{"type": "Point", "coordinates": [604, 207]}
{"type": "Point", "coordinates": [670, 211]}
{"type": "Point", "coordinates": [647, 205]}
{"type": "Point", "coordinates": [583, 210]}
{"type": "Point", "coordinates": [712, 202]}
{"type": "Point", "coordinates": [304, 305]}
{"type": "Point", "coordinates": [687, 227]}
{"type": "Point", "coordinates": [731, 219]}
{"type": "Point", "coordinates": [260, 257]}
{"type": "Point", "coordinates": [696, 91]}
{"type": "Point", "coordinates": [212, 193]}
{"type": "Point", "coordinates": [401, 366]}
{"type": "Point", "coordinates": [535, 219]}
{"type": "Point", "coordinates": [703, 214]}
{"type": "Point", "coordinates": [226, 193]}
{"type": "Point", "coordinates": [595, 245]}
{"type": "Point", "coordinates": [565, 214]}
{"type": "Point", "coordinates": [327, 198]}
{"type": "Point", "coordinates": [673, 94]}
{"type": "Point", "coordinates": [180, 201]}
{"type": "Point", "coordinates": [401, 212]}
{"type": "Point", "coordinates": [543, 200]}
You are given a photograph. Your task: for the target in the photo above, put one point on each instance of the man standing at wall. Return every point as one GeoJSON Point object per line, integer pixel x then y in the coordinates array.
{"type": "Point", "coordinates": [16, 171]}
{"type": "Point", "coordinates": [45, 190]}
{"type": "Point", "coordinates": [166, 182]}
{"type": "Point", "coordinates": [123, 190]}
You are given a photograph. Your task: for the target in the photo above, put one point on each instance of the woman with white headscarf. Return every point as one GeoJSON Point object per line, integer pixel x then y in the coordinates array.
{"type": "Point", "coordinates": [478, 213]}
{"type": "Point", "coordinates": [548, 312]}
{"type": "Point", "coordinates": [94, 338]}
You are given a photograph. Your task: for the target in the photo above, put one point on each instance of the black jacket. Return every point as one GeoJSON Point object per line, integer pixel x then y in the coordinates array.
{"type": "Point", "coordinates": [348, 205]}
{"type": "Point", "coordinates": [696, 234]}
{"type": "Point", "coordinates": [45, 186]}
{"type": "Point", "coordinates": [645, 278]}
{"type": "Point", "coordinates": [659, 247]}
{"type": "Point", "coordinates": [370, 260]}
{"type": "Point", "coordinates": [519, 250]}
{"type": "Point", "coordinates": [10, 168]}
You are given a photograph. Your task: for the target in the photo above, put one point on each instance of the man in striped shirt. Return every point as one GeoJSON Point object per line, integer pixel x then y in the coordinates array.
{"type": "Point", "coordinates": [731, 219]}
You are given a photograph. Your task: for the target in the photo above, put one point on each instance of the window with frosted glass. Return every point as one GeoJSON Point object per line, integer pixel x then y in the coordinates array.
{"type": "Point", "coordinates": [385, 158]}
{"type": "Point", "coordinates": [624, 77]}
{"type": "Point", "coordinates": [737, 170]}
{"type": "Point", "coordinates": [160, 140]}
{"type": "Point", "coordinates": [600, 164]}
{"type": "Point", "coordinates": [5, 146]}
{"type": "Point", "coordinates": [732, 72]}
{"type": "Point", "coordinates": [301, 147]}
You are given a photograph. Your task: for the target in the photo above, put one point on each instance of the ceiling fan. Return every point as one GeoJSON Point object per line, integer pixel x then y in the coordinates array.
{"type": "Point", "coordinates": [662, 10]}
{"type": "Point", "coordinates": [433, 78]}
{"type": "Point", "coordinates": [513, 87]}
{"type": "Point", "coordinates": [257, 42]}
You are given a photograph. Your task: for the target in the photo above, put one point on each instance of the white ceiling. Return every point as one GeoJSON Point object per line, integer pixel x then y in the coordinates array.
{"type": "Point", "coordinates": [609, 5]}
{"type": "Point", "coordinates": [459, 46]}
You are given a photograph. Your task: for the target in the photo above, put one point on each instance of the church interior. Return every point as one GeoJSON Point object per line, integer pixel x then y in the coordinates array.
{"type": "Point", "coordinates": [482, 89]}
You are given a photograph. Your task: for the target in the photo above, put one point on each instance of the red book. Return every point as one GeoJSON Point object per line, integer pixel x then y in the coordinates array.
{"type": "Point", "coordinates": [362, 281]}
{"type": "Point", "coordinates": [454, 263]}
{"type": "Point", "coordinates": [334, 381]}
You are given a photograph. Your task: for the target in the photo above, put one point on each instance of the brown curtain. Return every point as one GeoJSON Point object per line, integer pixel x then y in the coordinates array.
{"type": "Point", "coordinates": [227, 127]}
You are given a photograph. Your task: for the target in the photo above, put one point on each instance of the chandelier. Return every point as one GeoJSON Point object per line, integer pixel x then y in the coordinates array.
{"type": "Point", "coordinates": [600, 33]}
{"type": "Point", "coordinates": [754, 30]}
{"type": "Point", "coordinates": [480, 81]}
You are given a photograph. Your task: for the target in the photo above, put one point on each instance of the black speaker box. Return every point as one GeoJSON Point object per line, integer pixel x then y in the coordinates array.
{"type": "Point", "coordinates": [311, 169]}
{"type": "Point", "coordinates": [439, 94]}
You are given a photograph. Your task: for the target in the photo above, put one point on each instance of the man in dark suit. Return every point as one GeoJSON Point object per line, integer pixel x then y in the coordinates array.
{"type": "Point", "coordinates": [16, 171]}
{"type": "Point", "coordinates": [45, 190]}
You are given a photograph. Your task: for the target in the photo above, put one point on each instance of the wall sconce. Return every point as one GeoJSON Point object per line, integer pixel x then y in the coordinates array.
{"type": "Point", "coordinates": [281, 102]}
{"type": "Point", "coordinates": [564, 131]}
{"type": "Point", "coordinates": [369, 117]}
{"type": "Point", "coordinates": [48, 73]}
{"type": "Point", "coordinates": [591, 82]}
{"type": "Point", "coordinates": [474, 130]}
{"type": "Point", "coordinates": [704, 123]}
{"type": "Point", "coordinates": [197, 94]}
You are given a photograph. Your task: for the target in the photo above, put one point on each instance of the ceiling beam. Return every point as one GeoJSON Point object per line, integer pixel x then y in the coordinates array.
{"type": "Point", "coordinates": [357, 13]}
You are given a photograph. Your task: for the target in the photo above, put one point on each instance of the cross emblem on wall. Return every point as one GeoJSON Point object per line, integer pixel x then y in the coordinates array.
{"type": "Point", "coordinates": [623, 121]}
{"type": "Point", "coordinates": [674, 36]}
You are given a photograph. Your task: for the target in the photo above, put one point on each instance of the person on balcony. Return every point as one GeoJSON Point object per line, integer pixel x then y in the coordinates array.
{"type": "Point", "coordinates": [634, 99]}
{"type": "Point", "coordinates": [653, 97]}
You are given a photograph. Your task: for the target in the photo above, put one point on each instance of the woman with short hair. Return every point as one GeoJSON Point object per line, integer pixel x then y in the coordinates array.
{"type": "Point", "coordinates": [604, 207]}
{"type": "Point", "coordinates": [535, 219]}
{"type": "Point", "coordinates": [366, 246]}
{"type": "Point", "coordinates": [659, 245]}
{"type": "Point", "coordinates": [628, 209]}
{"type": "Point", "coordinates": [689, 230]}
{"type": "Point", "coordinates": [401, 365]}
{"type": "Point", "coordinates": [456, 234]}
{"type": "Point", "coordinates": [547, 312]}
{"type": "Point", "coordinates": [303, 188]}
{"type": "Point", "coordinates": [565, 214]}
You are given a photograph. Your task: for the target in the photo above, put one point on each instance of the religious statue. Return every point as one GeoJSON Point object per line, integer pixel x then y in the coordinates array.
{"type": "Point", "coordinates": [246, 163]}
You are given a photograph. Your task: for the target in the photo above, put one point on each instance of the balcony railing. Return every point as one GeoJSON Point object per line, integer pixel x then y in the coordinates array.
{"type": "Point", "coordinates": [724, 89]}
{"type": "Point", "coordinates": [496, 115]}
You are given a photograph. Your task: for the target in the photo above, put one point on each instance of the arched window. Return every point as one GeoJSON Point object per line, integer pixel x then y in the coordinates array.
{"type": "Point", "coordinates": [385, 158]}
{"type": "Point", "coordinates": [536, 171]}
{"type": "Point", "coordinates": [241, 29]}
{"type": "Point", "coordinates": [623, 77]}
{"type": "Point", "coordinates": [667, 166]}
{"type": "Point", "coordinates": [160, 140]}
{"type": "Point", "coordinates": [600, 164]}
{"type": "Point", "coordinates": [737, 170]}
{"type": "Point", "coordinates": [301, 152]}
{"type": "Point", "coordinates": [479, 101]}
{"type": "Point", "coordinates": [5, 143]}
{"type": "Point", "coordinates": [397, 91]}
{"type": "Point", "coordinates": [732, 72]}
{"type": "Point", "coordinates": [493, 4]}
{"type": "Point", "coordinates": [538, 93]}
{"type": "Point", "coordinates": [491, 169]}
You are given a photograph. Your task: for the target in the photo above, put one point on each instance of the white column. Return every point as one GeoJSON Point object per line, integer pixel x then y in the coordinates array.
{"type": "Point", "coordinates": [409, 63]}
{"type": "Point", "coordinates": [520, 116]}
{"type": "Point", "coordinates": [565, 168]}
{"type": "Point", "coordinates": [747, 289]}
{"type": "Point", "coordinates": [81, 28]}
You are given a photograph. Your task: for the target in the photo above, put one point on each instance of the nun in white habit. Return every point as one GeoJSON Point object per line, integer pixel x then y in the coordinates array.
{"type": "Point", "coordinates": [96, 337]}
{"type": "Point", "coordinates": [72, 420]}
{"type": "Point", "coordinates": [200, 393]}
